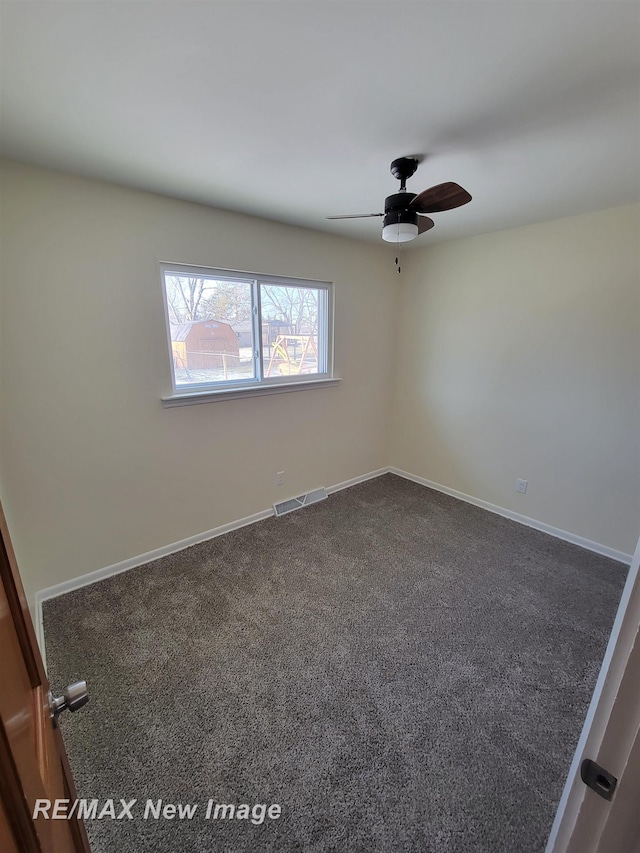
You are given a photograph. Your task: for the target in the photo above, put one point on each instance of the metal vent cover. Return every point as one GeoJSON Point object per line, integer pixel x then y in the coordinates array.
{"type": "Point", "coordinates": [292, 504]}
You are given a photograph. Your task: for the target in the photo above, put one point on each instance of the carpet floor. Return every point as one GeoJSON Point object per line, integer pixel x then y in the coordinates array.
{"type": "Point", "coordinates": [398, 670]}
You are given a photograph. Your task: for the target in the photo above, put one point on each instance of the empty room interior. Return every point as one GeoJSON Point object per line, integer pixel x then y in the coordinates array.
{"type": "Point", "coordinates": [320, 436]}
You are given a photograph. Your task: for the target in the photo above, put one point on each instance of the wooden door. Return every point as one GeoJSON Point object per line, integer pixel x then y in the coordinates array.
{"type": "Point", "coordinates": [33, 762]}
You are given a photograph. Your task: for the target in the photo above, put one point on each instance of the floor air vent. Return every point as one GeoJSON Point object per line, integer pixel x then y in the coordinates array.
{"type": "Point", "coordinates": [297, 503]}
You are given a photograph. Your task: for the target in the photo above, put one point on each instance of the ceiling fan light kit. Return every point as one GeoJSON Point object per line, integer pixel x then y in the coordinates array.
{"type": "Point", "coordinates": [399, 227]}
{"type": "Point", "coordinates": [404, 212]}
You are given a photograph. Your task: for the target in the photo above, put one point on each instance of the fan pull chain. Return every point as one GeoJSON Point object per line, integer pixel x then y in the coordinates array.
{"type": "Point", "coordinates": [399, 250]}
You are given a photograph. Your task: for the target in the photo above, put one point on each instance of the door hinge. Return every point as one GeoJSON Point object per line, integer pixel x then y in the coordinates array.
{"type": "Point", "coordinates": [598, 779]}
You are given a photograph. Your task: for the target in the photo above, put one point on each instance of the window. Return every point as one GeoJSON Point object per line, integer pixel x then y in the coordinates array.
{"type": "Point", "coordinates": [231, 331]}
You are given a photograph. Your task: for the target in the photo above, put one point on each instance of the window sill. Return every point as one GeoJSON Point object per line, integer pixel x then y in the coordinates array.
{"type": "Point", "coordinates": [194, 397]}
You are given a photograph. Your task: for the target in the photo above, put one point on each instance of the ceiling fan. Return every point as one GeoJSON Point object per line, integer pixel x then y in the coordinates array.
{"type": "Point", "coordinates": [404, 212]}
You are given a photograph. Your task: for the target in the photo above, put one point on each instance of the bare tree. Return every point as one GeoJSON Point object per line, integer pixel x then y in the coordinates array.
{"type": "Point", "coordinates": [184, 296]}
{"type": "Point", "coordinates": [195, 298]}
{"type": "Point", "coordinates": [228, 301]}
{"type": "Point", "coordinates": [292, 306]}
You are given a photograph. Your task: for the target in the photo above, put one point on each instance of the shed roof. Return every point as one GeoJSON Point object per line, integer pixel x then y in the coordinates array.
{"type": "Point", "coordinates": [180, 331]}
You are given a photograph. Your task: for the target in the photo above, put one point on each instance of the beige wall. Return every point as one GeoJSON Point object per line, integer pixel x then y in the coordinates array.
{"type": "Point", "coordinates": [94, 469]}
{"type": "Point", "coordinates": [519, 356]}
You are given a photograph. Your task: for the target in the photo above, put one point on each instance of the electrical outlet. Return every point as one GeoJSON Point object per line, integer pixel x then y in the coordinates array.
{"type": "Point", "coordinates": [521, 486]}
{"type": "Point", "coordinates": [279, 478]}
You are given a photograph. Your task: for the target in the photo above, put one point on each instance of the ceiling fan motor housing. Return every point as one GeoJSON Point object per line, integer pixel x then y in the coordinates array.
{"type": "Point", "coordinates": [396, 209]}
{"type": "Point", "coordinates": [395, 216]}
{"type": "Point", "coordinates": [398, 201]}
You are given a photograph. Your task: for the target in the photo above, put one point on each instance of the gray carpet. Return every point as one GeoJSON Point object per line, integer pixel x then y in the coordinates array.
{"type": "Point", "coordinates": [399, 670]}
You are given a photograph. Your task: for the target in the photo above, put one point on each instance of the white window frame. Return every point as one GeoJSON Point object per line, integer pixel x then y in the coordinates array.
{"type": "Point", "coordinates": [261, 384]}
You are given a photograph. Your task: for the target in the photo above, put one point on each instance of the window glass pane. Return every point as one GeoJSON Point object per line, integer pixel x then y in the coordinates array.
{"type": "Point", "coordinates": [211, 329]}
{"type": "Point", "coordinates": [291, 318]}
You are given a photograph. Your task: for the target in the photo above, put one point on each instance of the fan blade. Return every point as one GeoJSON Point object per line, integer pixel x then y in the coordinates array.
{"type": "Point", "coordinates": [424, 224]}
{"type": "Point", "coordinates": [441, 197]}
{"type": "Point", "coordinates": [355, 216]}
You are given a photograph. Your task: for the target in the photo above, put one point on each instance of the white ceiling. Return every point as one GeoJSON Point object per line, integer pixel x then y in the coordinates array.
{"type": "Point", "coordinates": [293, 109]}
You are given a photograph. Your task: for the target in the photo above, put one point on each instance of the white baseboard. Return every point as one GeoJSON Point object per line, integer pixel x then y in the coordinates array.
{"type": "Point", "coordinates": [133, 562]}
{"type": "Point", "coordinates": [604, 550]}
{"type": "Point", "coordinates": [355, 480]}
{"type": "Point", "coordinates": [124, 566]}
